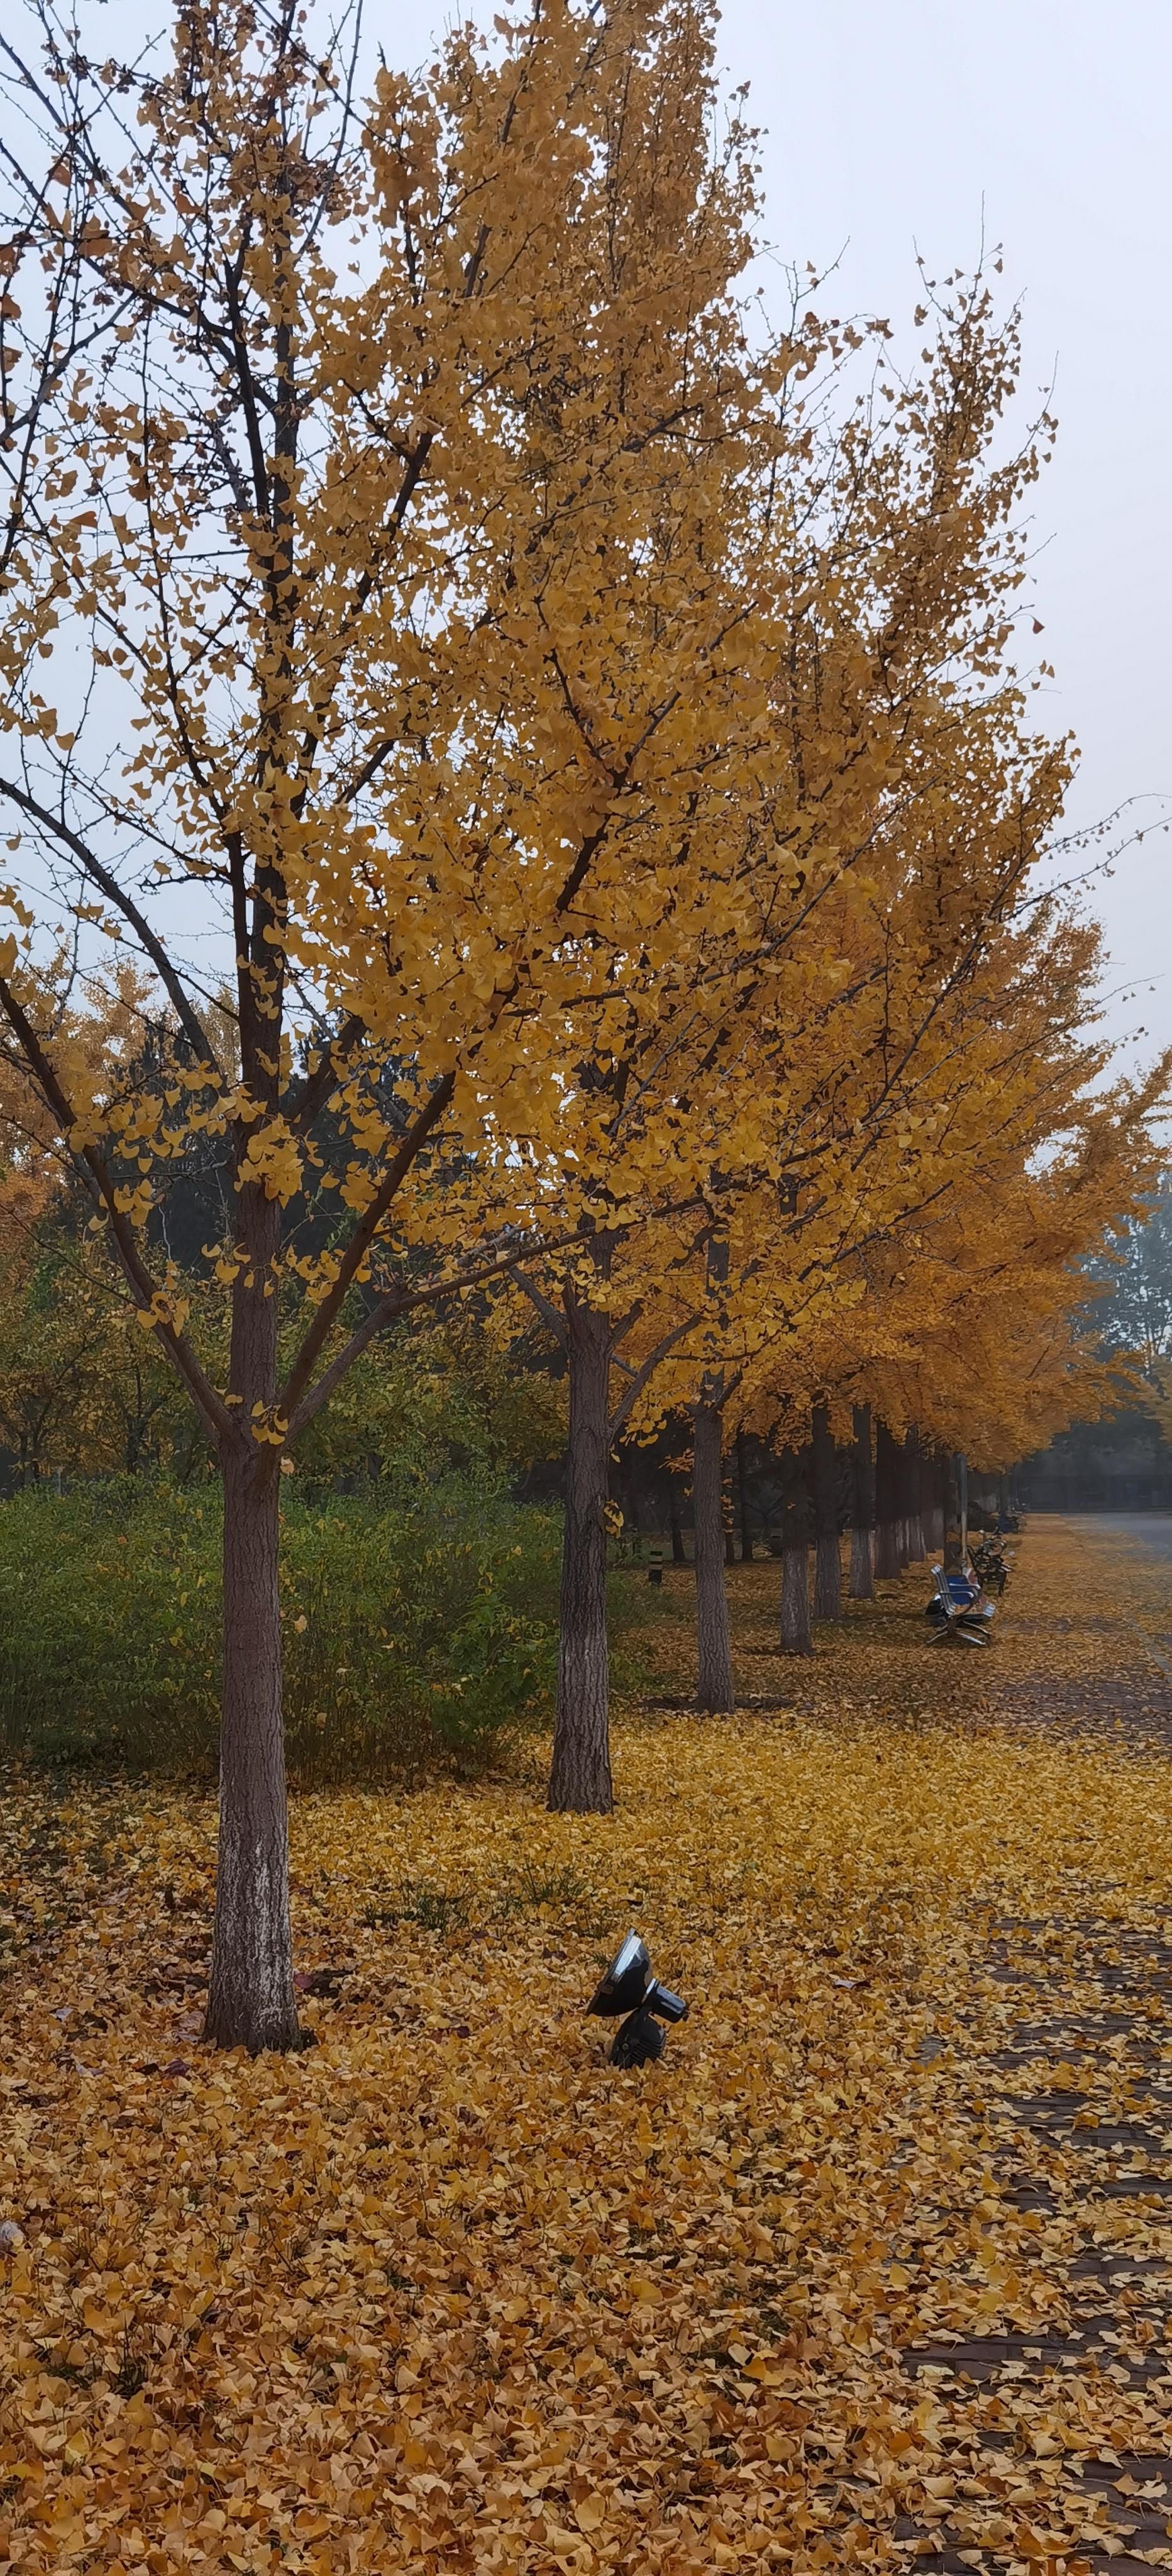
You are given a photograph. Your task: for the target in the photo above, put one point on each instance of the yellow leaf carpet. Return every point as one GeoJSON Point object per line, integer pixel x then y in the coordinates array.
{"type": "Point", "coordinates": [869, 2271]}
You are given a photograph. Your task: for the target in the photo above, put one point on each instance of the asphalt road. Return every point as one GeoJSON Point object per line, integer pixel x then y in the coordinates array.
{"type": "Point", "coordinates": [1152, 1529]}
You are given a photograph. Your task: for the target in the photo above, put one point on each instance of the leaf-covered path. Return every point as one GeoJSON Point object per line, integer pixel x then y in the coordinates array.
{"type": "Point", "coordinates": [870, 2270]}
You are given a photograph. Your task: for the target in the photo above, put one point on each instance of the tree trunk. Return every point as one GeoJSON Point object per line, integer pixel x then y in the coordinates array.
{"type": "Point", "coordinates": [714, 1683]}
{"type": "Point", "coordinates": [795, 1598]}
{"type": "Point", "coordinates": [679, 1553]}
{"type": "Point", "coordinates": [580, 1780]}
{"type": "Point", "coordinates": [795, 1563]}
{"type": "Point", "coordinates": [903, 1470]}
{"type": "Point", "coordinates": [827, 1565]}
{"type": "Point", "coordinates": [632, 1534]}
{"type": "Point", "coordinates": [743, 1500]}
{"type": "Point", "coordinates": [886, 1503]}
{"type": "Point", "coordinates": [251, 2003]}
{"type": "Point", "coordinates": [902, 1504]}
{"type": "Point", "coordinates": [862, 1574]}
{"type": "Point", "coordinates": [915, 1529]}
{"type": "Point", "coordinates": [956, 1510]}
{"type": "Point", "coordinates": [927, 1497]}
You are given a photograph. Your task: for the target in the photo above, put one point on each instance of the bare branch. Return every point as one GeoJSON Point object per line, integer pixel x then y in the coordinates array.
{"type": "Point", "coordinates": [631, 1393]}
{"type": "Point", "coordinates": [401, 1302]}
{"type": "Point", "coordinates": [359, 1245]}
{"type": "Point", "coordinates": [99, 1185]}
{"type": "Point", "coordinates": [545, 1307]}
{"type": "Point", "coordinates": [108, 885]}
{"type": "Point", "coordinates": [325, 1074]}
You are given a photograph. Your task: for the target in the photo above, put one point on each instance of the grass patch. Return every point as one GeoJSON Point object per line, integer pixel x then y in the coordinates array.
{"type": "Point", "coordinates": [454, 2248]}
{"type": "Point", "coordinates": [410, 1633]}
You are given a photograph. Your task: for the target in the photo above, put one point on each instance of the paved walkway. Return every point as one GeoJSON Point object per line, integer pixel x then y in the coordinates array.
{"type": "Point", "coordinates": [1135, 1549]}
{"type": "Point", "coordinates": [1150, 1529]}
{"type": "Point", "coordinates": [1072, 2070]}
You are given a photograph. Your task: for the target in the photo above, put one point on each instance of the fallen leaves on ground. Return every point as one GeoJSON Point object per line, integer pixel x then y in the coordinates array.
{"type": "Point", "coordinates": [449, 2293]}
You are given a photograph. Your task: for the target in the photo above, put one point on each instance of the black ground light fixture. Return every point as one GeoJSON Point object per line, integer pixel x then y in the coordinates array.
{"type": "Point", "coordinates": [629, 1987]}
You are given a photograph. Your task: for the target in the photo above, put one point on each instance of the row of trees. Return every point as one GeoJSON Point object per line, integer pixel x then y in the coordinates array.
{"type": "Point", "coordinates": [573, 797]}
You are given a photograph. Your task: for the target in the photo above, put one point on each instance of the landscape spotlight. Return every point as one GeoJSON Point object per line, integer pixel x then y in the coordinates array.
{"type": "Point", "coordinates": [629, 1987]}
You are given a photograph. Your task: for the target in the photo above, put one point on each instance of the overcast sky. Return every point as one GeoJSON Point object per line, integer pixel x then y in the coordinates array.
{"type": "Point", "coordinates": [909, 124]}
{"type": "Point", "coordinates": [893, 127]}
{"type": "Point", "coordinates": [897, 125]}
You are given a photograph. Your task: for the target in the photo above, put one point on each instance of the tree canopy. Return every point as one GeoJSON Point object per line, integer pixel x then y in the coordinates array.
{"type": "Point", "coordinates": [556, 754]}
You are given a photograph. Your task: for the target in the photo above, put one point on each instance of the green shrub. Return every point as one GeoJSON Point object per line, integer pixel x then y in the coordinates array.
{"type": "Point", "coordinates": [422, 1629]}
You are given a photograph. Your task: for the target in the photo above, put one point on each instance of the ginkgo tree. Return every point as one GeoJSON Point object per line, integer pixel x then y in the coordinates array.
{"type": "Point", "coordinates": [909, 795]}
{"type": "Point", "coordinates": [936, 1283]}
{"type": "Point", "coordinates": [893, 1094]}
{"type": "Point", "coordinates": [976, 1331]}
{"type": "Point", "coordinates": [528, 711]}
{"type": "Point", "coordinates": [981, 1319]}
{"type": "Point", "coordinates": [79, 1384]}
{"type": "Point", "coordinates": [394, 490]}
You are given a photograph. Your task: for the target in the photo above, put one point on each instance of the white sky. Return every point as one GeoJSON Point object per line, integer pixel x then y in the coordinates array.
{"type": "Point", "coordinates": [897, 125]}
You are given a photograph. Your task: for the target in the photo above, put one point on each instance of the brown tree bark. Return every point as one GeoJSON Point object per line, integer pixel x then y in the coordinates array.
{"type": "Point", "coordinates": [714, 1684]}
{"type": "Point", "coordinates": [886, 1503]}
{"type": "Point", "coordinates": [862, 1573]}
{"type": "Point", "coordinates": [743, 1499]}
{"type": "Point", "coordinates": [827, 1564]}
{"type": "Point", "coordinates": [580, 1776]}
{"type": "Point", "coordinates": [906, 1502]}
{"type": "Point", "coordinates": [912, 1469]}
{"type": "Point", "coordinates": [795, 1598]}
{"type": "Point", "coordinates": [251, 2001]}
{"type": "Point", "coordinates": [796, 1638]}
{"type": "Point", "coordinates": [956, 1509]}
